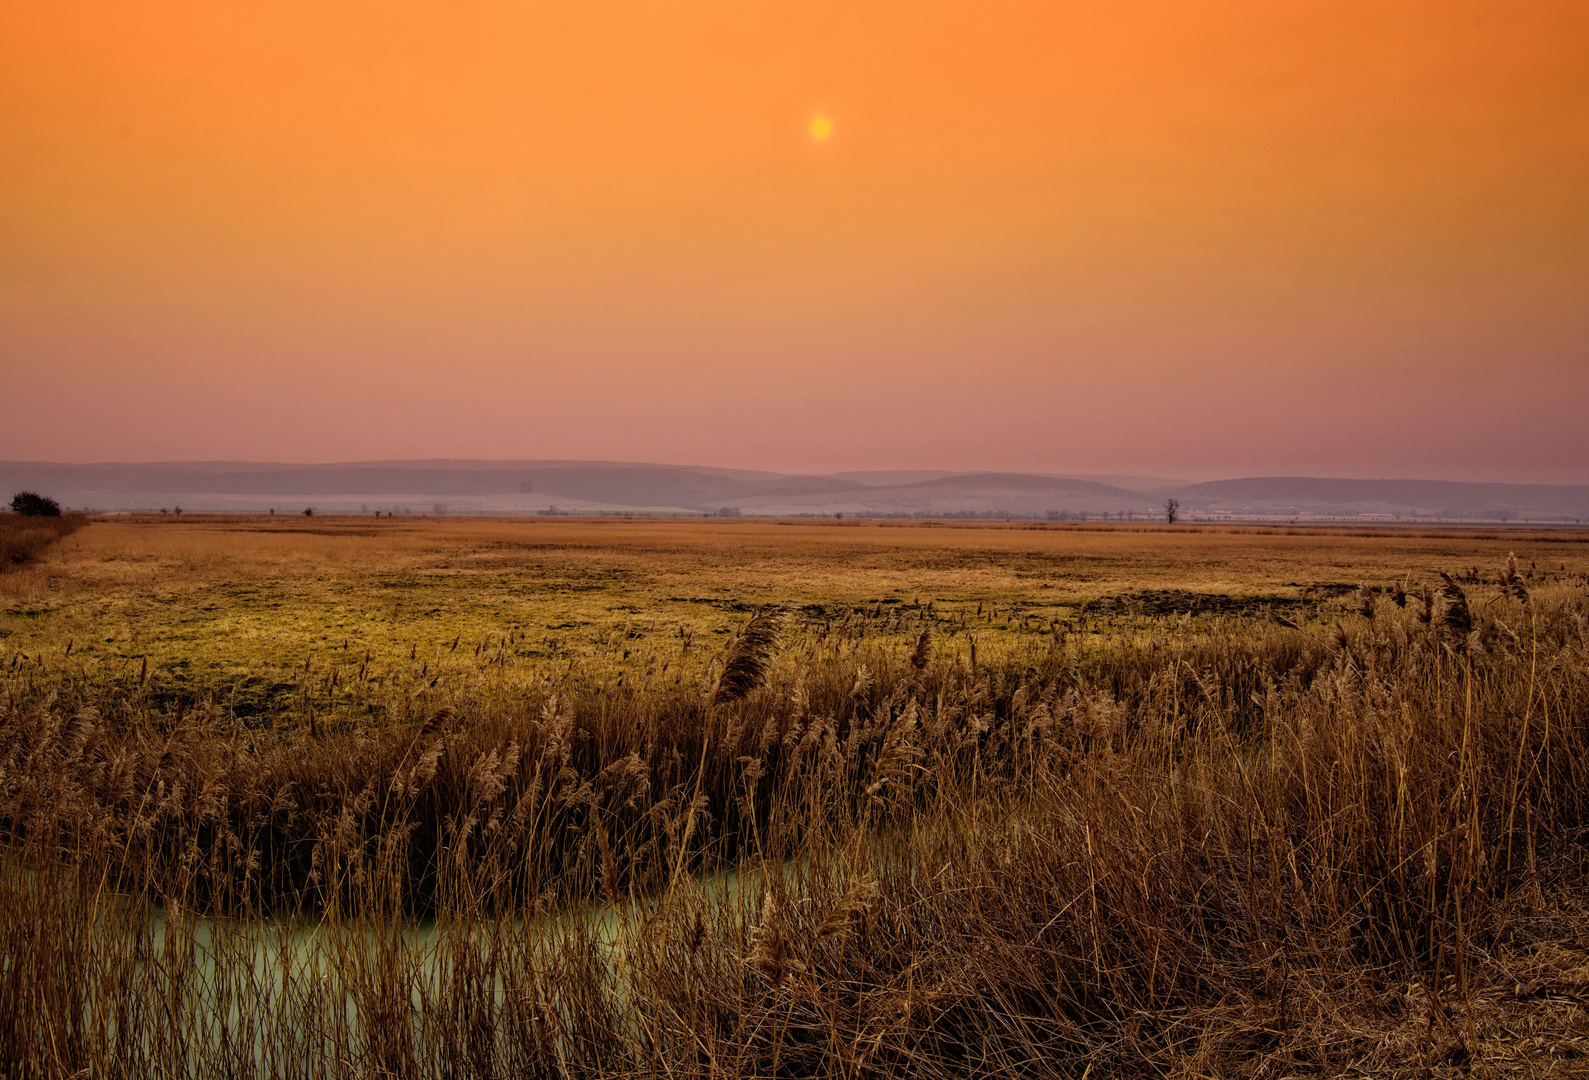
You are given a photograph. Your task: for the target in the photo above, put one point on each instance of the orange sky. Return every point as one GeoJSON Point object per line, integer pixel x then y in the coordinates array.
{"type": "Point", "coordinates": [1185, 238]}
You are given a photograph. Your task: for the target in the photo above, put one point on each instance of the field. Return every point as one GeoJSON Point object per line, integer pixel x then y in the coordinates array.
{"type": "Point", "coordinates": [562, 797]}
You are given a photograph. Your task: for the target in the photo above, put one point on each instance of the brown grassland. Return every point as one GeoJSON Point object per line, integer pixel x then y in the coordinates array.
{"type": "Point", "coordinates": [315, 797]}
{"type": "Point", "coordinates": [24, 538]}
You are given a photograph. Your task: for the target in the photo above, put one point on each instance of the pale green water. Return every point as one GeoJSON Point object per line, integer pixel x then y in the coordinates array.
{"type": "Point", "coordinates": [312, 986]}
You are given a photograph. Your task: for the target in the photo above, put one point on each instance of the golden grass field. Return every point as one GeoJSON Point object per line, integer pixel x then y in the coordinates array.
{"type": "Point", "coordinates": [214, 601]}
{"type": "Point", "coordinates": [563, 797]}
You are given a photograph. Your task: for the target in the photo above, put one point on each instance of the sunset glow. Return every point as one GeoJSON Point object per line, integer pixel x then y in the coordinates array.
{"type": "Point", "coordinates": [1188, 238]}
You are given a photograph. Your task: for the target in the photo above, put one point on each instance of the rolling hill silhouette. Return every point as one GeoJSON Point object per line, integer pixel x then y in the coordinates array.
{"type": "Point", "coordinates": [638, 487]}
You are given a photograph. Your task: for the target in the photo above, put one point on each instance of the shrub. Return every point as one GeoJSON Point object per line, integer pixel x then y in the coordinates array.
{"type": "Point", "coordinates": [32, 504]}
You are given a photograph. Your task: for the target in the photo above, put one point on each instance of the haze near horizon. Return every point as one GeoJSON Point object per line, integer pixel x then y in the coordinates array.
{"type": "Point", "coordinates": [1185, 239]}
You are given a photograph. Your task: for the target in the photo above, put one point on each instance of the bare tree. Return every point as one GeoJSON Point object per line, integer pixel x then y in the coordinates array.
{"type": "Point", "coordinates": [1172, 510]}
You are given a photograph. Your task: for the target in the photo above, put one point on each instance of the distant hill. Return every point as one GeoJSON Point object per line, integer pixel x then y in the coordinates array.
{"type": "Point", "coordinates": [527, 487]}
{"type": "Point", "coordinates": [1018, 494]}
{"type": "Point", "coordinates": [1311, 496]}
{"type": "Point", "coordinates": [460, 486]}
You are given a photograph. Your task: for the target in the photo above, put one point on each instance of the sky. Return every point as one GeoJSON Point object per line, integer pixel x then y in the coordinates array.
{"type": "Point", "coordinates": [1184, 238]}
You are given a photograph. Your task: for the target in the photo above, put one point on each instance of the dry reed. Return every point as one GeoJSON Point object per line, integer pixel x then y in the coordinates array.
{"type": "Point", "coordinates": [1260, 847]}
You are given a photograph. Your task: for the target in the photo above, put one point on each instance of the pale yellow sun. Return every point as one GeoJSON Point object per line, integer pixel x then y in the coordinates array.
{"type": "Point", "coordinates": [821, 128]}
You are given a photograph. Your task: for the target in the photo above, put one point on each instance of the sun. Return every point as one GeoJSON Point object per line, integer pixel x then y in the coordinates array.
{"type": "Point", "coordinates": [821, 128]}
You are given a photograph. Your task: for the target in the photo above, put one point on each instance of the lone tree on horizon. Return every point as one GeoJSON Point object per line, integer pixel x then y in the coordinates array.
{"type": "Point", "coordinates": [1172, 510]}
{"type": "Point", "coordinates": [32, 504]}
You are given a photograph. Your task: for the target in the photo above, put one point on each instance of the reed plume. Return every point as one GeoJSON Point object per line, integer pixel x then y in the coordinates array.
{"type": "Point", "coordinates": [1455, 617]}
{"type": "Point", "coordinates": [1365, 602]}
{"type": "Point", "coordinates": [1511, 581]}
{"type": "Point", "coordinates": [750, 655]}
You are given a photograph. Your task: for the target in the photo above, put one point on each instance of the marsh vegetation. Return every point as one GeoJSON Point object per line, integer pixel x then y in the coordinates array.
{"type": "Point", "coordinates": [24, 537]}
{"type": "Point", "coordinates": [736, 799]}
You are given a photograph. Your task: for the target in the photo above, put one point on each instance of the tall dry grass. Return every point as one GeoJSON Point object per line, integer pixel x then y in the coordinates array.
{"type": "Point", "coordinates": [1334, 844]}
{"type": "Point", "coordinates": [24, 538]}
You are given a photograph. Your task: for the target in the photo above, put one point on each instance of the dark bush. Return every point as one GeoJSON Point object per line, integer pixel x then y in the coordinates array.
{"type": "Point", "coordinates": [32, 504]}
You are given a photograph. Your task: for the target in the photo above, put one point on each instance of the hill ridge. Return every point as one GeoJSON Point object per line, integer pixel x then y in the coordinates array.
{"type": "Point", "coordinates": [466, 485]}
